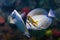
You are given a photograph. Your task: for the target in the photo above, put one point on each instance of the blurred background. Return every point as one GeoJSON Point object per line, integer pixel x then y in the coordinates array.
{"type": "Point", "coordinates": [8, 33]}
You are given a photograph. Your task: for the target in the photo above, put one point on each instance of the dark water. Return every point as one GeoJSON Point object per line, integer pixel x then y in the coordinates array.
{"type": "Point", "coordinates": [6, 8]}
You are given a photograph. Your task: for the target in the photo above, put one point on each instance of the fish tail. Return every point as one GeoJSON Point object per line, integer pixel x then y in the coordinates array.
{"type": "Point", "coordinates": [27, 34]}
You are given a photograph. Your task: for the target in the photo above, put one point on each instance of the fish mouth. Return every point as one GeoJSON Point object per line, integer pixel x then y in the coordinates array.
{"type": "Point", "coordinates": [32, 21]}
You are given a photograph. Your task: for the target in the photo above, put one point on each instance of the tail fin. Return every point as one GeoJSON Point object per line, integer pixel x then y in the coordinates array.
{"type": "Point", "coordinates": [51, 13]}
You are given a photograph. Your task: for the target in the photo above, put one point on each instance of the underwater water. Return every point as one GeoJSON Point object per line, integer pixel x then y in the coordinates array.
{"type": "Point", "coordinates": [10, 31]}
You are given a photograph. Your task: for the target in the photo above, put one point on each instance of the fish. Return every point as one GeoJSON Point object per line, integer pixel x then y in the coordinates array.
{"type": "Point", "coordinates": [20, 23]}
{"type": "Point", "coordinates": [39, 19]}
